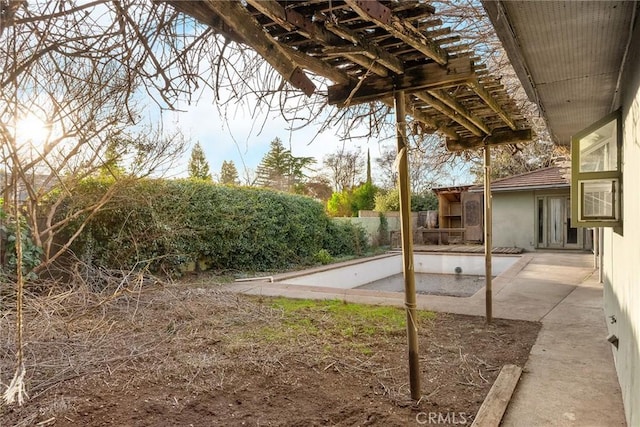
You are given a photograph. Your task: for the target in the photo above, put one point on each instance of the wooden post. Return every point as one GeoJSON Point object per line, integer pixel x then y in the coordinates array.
{"type": "Point", "coordinates": [407, 246]}
{"type": "Point", "coordinates": [488, 233]}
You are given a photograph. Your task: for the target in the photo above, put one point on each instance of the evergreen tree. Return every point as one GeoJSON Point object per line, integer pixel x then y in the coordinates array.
{"type": "Point", "coordinates": [111, 167]}
{"type": "Point", "coordinates": [198, 165]}
{"type": "Point", "coordinates": [280, 170]}
{"type": "Point", "coordinates": [228, 173]}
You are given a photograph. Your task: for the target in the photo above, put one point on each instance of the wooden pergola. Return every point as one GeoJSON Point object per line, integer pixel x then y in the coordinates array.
{"type": "Point", "coordinates": [394, 52]}
{"type": "Point", "coordinates": [370, 50]}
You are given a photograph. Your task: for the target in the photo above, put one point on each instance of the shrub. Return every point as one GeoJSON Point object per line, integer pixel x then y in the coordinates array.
{"type": "Point", "coordinates": [340, 204]}
{"type": "Point", "coordinates": [164, 224]}
{"type": "Point", "coordinates": [349, 202]}
{"type": "Point", "coordinates": [31, 253]}
{"type": "Point", "coordinates": [390, 201]}
{"type": "Point", "coordinates": [383, 230]}
{"type": "Point", "coordinates": [345, 238]}
{"type": "Point", "coordinates": [323, 257]}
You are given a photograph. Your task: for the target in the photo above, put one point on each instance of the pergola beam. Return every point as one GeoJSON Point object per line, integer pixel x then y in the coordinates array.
{"type": "Point", "coordinates": [200, 11]}
{"type": "Point", "coordinates": [477, 87]}
{"type": "Point", "coordinates": [499, 136]}
{"type": "Point", "coordinates": [432, 123]}
{"type": "Point", "coordinates": [317, 66]}
{"type": "Point", "coordinates": [370, 50]}
{"type": "Point", "coordinates": [235, 15]}
{"type": "Point", "coordinates": [382, 16]}
{"type": "Point", "coordinates": [453, 103]}
{"type": "Point", "coordinates": [428, 76]}
{"type": "Point", "coordinates": [449, 112]}
{"type": "Point", "coordinates": [358, 55]}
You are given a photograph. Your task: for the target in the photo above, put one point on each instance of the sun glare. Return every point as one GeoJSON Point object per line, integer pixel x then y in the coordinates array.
{"type": "Point", "coordinates": [32, 129]}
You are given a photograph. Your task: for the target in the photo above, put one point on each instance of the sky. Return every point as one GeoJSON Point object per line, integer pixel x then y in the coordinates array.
{"type": "Point", "coordinates": [245, 140]}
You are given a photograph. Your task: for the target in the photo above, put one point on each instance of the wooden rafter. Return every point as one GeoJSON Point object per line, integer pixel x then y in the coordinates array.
{"type": "Point", "coordinates": [460, 109]}
{"type": "Point", "coordinates": [370, 50]}
{"type": "Point", "coordinates": [359, 56]}
{"type": "Point", "coordinates": [337, 41]}
{"type": "Point", "coordinates": [318, 67]}
{"type": "Point", "coordinates": [428, 76]}
{"type": "Point", "coordinates": [236, 16]}
{"type": "Point", "coordinates": [431, 122]}
{"type": "Point", "coordinates": [500, 136]}
{"type": "Point", "coordinates": [378, 13]}
{"type": "Point", "coordinates": [475, 85]}
{"type": "Point", "coordinates": [449, 112]}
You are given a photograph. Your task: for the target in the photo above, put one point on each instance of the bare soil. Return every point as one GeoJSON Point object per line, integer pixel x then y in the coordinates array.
{"type": "Point", "coordinates": [199, 356]}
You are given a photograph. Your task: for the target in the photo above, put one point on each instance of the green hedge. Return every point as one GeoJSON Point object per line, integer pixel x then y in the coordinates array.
{"type": "Point", "coordinates": [167, 223]}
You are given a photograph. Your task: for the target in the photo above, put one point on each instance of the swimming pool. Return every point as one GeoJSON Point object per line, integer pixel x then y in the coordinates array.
{"type": "Point", "coordinates": [361, 273]}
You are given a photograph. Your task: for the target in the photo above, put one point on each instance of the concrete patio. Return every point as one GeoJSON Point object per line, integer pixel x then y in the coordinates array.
{"type": "Point", "coordinates": [569, 379]}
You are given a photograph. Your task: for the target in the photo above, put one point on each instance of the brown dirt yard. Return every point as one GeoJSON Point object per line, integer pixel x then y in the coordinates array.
{"type": "Point", "coordinates": [196, 355]}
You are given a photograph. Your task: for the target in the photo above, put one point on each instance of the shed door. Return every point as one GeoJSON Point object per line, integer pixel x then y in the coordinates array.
{"type": "Point", "coordinates": [472, 209]}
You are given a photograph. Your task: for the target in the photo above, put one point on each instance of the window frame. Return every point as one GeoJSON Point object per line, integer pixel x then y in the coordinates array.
{"type": "Point", "coordinates": [579, 179]}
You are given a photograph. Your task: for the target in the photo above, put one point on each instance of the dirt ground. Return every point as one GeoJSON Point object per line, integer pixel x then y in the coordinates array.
{"type": "Point", "coordinates": [199, 356]}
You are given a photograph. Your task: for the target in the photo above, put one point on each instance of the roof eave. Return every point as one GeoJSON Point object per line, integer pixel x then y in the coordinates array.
{"type": "Point", "coordinates": [523, 188]}
{"type": "Point", "coordinates": [505, 33]}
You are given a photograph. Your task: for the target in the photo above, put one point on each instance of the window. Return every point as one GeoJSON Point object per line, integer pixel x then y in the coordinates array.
{"type": "Point", "coordinates": [541, 240]}
{"type": "Point", "coordinates": [596, 174]}
{"type": "Point", "coordinates": [598, 198]}
{"type": "Point", "coordinates": [598, 150]}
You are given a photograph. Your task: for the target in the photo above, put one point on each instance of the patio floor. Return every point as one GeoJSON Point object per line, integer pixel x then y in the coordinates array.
{"type": "Point", "coordinates": [569, 379]}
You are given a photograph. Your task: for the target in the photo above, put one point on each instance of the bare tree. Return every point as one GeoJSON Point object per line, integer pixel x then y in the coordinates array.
{"type": "Point", "coordinates": [66, 69]}
{"type": "Point", "coordinates": [345, 168]}
{"type": "Point", "coordinates": [429, 165]}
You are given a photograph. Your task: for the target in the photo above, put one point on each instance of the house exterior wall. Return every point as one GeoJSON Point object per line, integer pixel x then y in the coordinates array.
{"type": "Point", "coordinates": [514, 219]}
{"type": "Point", "coordinates": [621, 263]}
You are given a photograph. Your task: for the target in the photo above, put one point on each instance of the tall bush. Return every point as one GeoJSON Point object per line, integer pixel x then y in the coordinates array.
{"type": "Point", "coordinates": [167, 223]}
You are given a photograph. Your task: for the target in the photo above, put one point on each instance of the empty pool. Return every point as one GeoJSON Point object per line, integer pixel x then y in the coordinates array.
{"type": "Point", "coordinates": [438, 274]}
{"type": "Point", "coordinates": [454, 285]}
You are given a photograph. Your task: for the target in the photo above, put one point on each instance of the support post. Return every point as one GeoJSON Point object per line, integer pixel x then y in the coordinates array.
{"type": "Point", "coordinates": [488, 233]}
{"type": "Point", "coordinates": [601, 254]}
{"type": "Point", "coordinates": [596, 248]}
{"type": "Point", "coordinates": [407, 246]}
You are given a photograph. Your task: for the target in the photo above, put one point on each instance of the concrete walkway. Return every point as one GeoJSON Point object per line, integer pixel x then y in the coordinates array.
{"type": "Point", "coordinates": [569, 379]}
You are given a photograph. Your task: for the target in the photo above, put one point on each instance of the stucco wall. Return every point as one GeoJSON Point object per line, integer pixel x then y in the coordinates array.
{"type": "Point", "coordinates": [514, 219]}
{"type": "Point", "coordinates": [621, 264]}
{"type": "Point", "coordinates": [372, 223]}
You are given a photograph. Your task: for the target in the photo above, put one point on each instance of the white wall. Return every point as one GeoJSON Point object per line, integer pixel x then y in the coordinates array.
{"type": "Point", "coordinates": [354, 274]}
{"type": "Point", "coordinates": [514, 219]}
{"type": "Point", "coordinates": [371, 222]}
{"type": "Point", "coordinates": [621, 265]}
